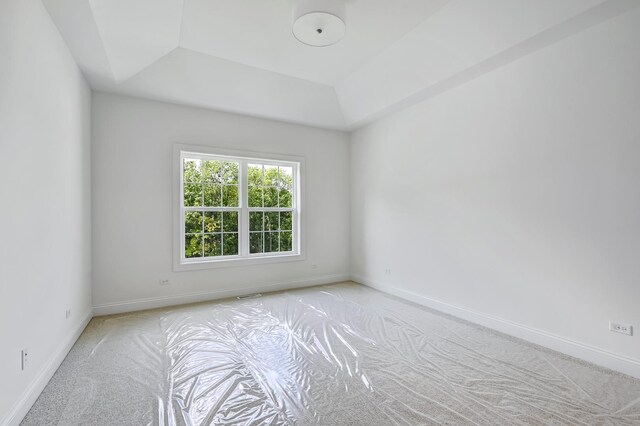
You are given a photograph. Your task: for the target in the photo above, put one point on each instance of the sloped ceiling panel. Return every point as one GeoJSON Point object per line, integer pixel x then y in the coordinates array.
{"type": "Point", "coordinates": [76, 23]}
{"type": "Point", "coordinates": [136, 33]}
{"type": "Point", "coordinates": [460, 35]}
{"type": "Point", "coordinates": [196, 79]}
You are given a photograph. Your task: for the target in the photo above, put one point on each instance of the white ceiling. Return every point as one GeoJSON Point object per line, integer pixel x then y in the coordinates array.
{"type": "Point", "coordinates": [258, 33]}
{"type": "Point", "coordinates": [240, 55]}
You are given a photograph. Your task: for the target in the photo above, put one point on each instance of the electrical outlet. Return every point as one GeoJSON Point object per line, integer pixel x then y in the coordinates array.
{"type": "Point", "coordinates": [164, 282]}
{"type": "Point", "coordinates": [314, 266]}
{"type": "Point", "coordinates": [25, 359]}
{"type": "Point", "coordinates": [387, 271]}
{"type": "Point", "coordinates": [622, 328]}
{"type": "Point", "coordinates": [67, 314]}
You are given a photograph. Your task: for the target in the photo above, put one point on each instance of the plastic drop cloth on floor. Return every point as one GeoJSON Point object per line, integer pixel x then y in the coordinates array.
{"type": "Point", "coordinates": [332, 355]}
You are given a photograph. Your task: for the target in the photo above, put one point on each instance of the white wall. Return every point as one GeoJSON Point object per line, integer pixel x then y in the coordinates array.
{"type": "Point", "coordinates": [515, 195]}
{"type": "Point", "coordinates": [132, 201]}
{"type": "Point", "coordinates": [45, 216]}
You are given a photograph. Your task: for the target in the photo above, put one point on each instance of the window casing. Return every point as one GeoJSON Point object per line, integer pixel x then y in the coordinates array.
{"type": "Point", "coordinates": [235, 209]}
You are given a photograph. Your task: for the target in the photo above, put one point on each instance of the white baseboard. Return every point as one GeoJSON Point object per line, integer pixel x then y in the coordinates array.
{"type": "Point", "coordinates": [601, 357]}
{"type": "Point", "coordinates": [33, 391]}
{"type": "Point", "coordinates": [161, 302]}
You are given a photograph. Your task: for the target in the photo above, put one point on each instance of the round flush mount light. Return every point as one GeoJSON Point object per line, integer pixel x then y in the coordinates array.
{"type": "Point", "coordinates": [319, 22]}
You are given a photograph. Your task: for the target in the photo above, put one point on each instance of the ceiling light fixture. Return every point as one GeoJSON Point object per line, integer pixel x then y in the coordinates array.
{"type": "Point", "coordinates": [319, 23]}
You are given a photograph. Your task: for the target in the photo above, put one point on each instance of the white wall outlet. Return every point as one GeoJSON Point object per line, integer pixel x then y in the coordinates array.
{"type": "Point", "coordinates": [25, 359]}
{"type": "Point", "coordinates": [314, 266]}
{"type": "Point", "coordinates": [67, 314]}
{"type": "Point", "coordinates": [387, 271]}
{"type": "Point", "coordinates": [164, 282]}
{"type": "Point", "coordinates": [620, 327]}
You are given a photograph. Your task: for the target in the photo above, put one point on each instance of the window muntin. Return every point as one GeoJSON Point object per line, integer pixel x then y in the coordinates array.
{"type": "Point", "coordinates": [237, 208]}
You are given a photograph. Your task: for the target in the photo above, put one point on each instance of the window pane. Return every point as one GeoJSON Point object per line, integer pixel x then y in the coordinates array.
{"type": "Point", "coordinates": [271, 197]}
{"type": "Point", "coordinates": [230, 222]}
{"type": "Point", "coordinates": [213, 245]}
{"type": "Point", "coordinates": [254, 174]}
{"type": "Point", "coordinates": [192, 194]}
{"type": "Point", "coordinates": [270, 175]}
{"type": "Point", "coordinates": [230, 244]}
{"type": "Point", "coordinates": [191, 170]}
{"type": "Point", "coordinates": [212, 222]}
{"type": "Point", "coordinates": [230, 173]}
{"type": "Point", "coordinates": [271, 221]}
{"type": "Point", "coordinates": [286, 221]}
{"type": "Point", "coordinates": [255, 196]}
{"type": "Point", "coordinates": [255, 242]}
{"type": "Point", "coordinates": [255, 221]}
{"type": "Point", "coordinates": [212, 171]}
{"type": "Point", "coordinates": [230, 196]}
{"type": "Point", "coordinates": [270, 242]}
{"type": "Point", "coordinates": [212, 195]}
{"type": "Point", "coordinates": [286, 178]}
{"type": "Point", "coordinates": [286, 200]}
{"type": "Point", "coordinates": [193, 222]}
{"type": "Point", "coordinates": [286, 241]}
{"type": "Point", "coordinates": [193, 246]}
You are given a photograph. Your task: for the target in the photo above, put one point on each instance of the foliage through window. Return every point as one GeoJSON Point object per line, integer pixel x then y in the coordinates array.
{"type": "Point", "coordinates": [233, 207]}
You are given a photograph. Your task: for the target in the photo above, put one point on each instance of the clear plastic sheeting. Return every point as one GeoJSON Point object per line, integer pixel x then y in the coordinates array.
{"type": "Point", "coordinates": [333, 355]}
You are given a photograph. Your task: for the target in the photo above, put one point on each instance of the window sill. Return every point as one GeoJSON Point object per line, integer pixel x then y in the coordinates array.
{"type": "Point", "coordinates": [197, 265]}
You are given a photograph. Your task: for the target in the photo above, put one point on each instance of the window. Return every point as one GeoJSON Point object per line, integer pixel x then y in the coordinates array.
{"type": "Point", "coordinates": [236, 208]}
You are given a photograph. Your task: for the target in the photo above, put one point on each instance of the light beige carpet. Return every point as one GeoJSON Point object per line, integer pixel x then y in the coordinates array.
{"type": "Point", "coordinates": [331, 355]}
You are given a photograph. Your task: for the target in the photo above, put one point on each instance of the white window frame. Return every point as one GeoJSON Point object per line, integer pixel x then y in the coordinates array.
{"type": "Point", "coordinates": [180, 263]}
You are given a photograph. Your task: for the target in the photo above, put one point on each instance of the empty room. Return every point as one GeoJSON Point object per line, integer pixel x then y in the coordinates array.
{"type": "Point", "coordinates": [319, 212]}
